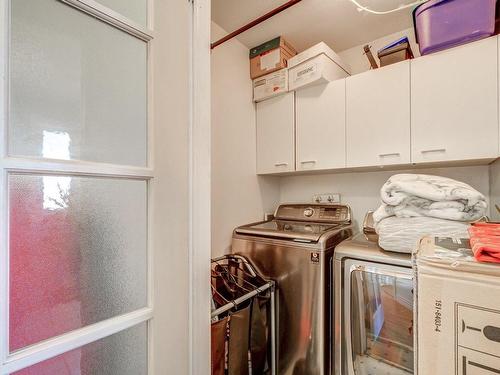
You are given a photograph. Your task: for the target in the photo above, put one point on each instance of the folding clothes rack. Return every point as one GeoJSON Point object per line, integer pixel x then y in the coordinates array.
{"type": "Point", "coordinates": [269, 286]}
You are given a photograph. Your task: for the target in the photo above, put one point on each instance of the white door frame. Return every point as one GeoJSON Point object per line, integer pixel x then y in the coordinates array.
{"type": "Point", "coordinates": [200, 192]}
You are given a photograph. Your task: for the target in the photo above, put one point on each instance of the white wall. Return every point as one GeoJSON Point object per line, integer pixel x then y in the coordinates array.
{"type": "Point", "coordinates": [361, 189]}
{"type": "Point", "coordinates": [238, 195]}
{"type": "Point", "coordinates": [171, 187]}
{"type": "Point", "coordinates": [357, 59]}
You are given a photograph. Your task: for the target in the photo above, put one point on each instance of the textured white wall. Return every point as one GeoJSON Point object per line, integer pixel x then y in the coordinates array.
{"type": "Point", "coordinates": [238, 195]}
{"type": "Point", "coordinates": [357, 60]}
{"type": "Point", "coordinates": [361, 189]}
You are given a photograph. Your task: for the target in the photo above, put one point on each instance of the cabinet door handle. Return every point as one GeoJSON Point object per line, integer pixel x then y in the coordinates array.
{"type": "Point", "coordinates": [389, 154]}
{"type": "Point", "coordinates": [280, 164]}
{"type": "Point", "coordinates": [308, 162]}
{"type": "Point", "coordinates": [433, 150]}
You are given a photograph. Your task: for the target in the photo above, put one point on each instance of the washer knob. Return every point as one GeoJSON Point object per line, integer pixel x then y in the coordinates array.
{"type": "Point", "coordinates": [308, 212]}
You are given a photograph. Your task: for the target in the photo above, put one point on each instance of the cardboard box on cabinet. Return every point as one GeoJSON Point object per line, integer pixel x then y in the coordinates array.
{"type": "Point", "coordinates": [270, 56]}
{"type": "Point", "coordinates": [316, 65]}
{"type": "Point", "coordinates": [270, 85]}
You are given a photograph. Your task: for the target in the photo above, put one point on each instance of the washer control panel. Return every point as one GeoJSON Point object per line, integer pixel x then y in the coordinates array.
{"type": "Point", "coordinates": [324, 213]}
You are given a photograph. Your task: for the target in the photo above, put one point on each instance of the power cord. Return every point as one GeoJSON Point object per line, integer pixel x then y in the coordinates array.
{"type": "Point", "coordinates": [401, 7]}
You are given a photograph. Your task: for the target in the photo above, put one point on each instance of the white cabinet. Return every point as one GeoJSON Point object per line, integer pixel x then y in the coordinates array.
{"type": "Point", "coordinates": [276, 134]}
{"type": "Point", "coordinates": [378, 117]}
{"type": "Point", "coordinates": [434, 109]}
{"type": "Point", "coordinates": [320, 126]}
{"type": "Point", "coordinates": [454, 104]}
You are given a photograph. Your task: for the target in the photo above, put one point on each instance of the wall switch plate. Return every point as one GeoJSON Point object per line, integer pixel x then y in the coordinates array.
{"type": "Point", "coordinates": [327, 198]}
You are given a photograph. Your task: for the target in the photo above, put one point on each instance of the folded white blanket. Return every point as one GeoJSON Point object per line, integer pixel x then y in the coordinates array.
{"type": "Point", "coordinates": [403, 234]}
{"type": "Point", "coordinates": [413, 195]}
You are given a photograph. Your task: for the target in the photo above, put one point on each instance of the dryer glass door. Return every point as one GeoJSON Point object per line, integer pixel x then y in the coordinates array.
{"type": "Point", "coordinates": [380, 323]}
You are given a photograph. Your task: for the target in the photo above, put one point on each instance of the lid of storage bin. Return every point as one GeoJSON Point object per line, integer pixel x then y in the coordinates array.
{"type": "Point", "coordinates": [396, 43]}
{"type": "Point", "coordinates": [394, 49]}
{"type": "Point", "coordinates": [278, 42]}
{"type": "Point", "coordinates": [314, 51]}
{"type": "Point", "coordinates": [266, 46]}
{"type": "Point", "coordinates": [427, 5]}
{"type": "Point", "coordinates": [419, 9]}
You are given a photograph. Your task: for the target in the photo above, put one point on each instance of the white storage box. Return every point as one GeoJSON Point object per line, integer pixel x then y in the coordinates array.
{"type": "Point", "coordinates": [458, 310]}
{"type": "Point", "coordinates": [316, 65]}
{"type": "Point", "coordinates": [270, 85]}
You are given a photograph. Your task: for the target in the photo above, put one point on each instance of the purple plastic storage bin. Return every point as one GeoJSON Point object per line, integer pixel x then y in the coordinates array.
{"type": "Point", "coordinates": [442, 24]}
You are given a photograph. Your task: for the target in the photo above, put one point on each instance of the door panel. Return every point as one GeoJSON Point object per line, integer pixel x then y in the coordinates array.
{"type": "Point", "coordinates": [74, 189]}
{"type": "Point", "coordinates": [321, 126]}
{"type": "Point", "coordinates": [77, 253]}
{"type": "Point", "coordinates": [123, 353]}
{"type": "Point", "coordinates": [454, 103]}
{"type": "Point", "coordinates": [378, 116]}
{"type": "Point", "coordinates": [71, 97]}
{"type": "Point", "coordinates": [276, 134]}
{"type": "Point", "coordinates": [379, 319]}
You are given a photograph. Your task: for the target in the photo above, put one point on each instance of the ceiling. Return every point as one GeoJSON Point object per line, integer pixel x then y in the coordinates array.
{"type": "Point", "coordinates": [336, 22]}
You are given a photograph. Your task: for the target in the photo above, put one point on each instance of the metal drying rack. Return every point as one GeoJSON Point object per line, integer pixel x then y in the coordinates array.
{"type": "Point", "coordinates": [268, 286]}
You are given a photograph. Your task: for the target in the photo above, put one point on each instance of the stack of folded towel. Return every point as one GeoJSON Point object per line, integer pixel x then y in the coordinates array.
{"type": "Point", "coordinates": [414, 206]}
{"type": "Point", "coordinates": [485, 241]}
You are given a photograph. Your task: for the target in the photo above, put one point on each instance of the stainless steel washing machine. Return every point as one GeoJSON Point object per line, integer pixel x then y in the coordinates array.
{"type": "Point", "coordinates": [296, 250]}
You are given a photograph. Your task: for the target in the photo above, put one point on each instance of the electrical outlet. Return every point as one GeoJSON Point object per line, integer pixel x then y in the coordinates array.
{"type": "Point", "coordinates": [326, 198]}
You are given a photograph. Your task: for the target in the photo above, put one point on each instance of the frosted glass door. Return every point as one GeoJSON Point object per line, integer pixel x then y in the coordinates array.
{"type": "Point", "coordinates": [123, 353]}
{"type": "Point", "coordinates": [77, 253]}
{"type": "Point", "coordinates": [75, 280]}
{"type": "Point", "coordinates": [77, 86]}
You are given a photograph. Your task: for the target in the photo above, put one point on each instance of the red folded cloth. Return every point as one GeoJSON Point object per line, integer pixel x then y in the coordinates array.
{"type": "Point", "coordinates": [485, 241]}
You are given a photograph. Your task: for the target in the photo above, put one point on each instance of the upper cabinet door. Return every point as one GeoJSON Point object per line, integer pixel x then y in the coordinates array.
{"type": "Point", "coordinates": [378, 117]}
{"type": "Point", "coordinates": [276, 134]}
{"type": "Point", "coordinates": [455, 104]}
{"type": "Point", "coordinates": [321, 126]}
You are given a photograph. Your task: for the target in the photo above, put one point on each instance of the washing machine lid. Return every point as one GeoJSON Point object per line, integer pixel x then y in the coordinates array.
{"type": "Point", "coordinates": [298, 231]}
{"type": "Point", "coordinates": [300, 222]}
